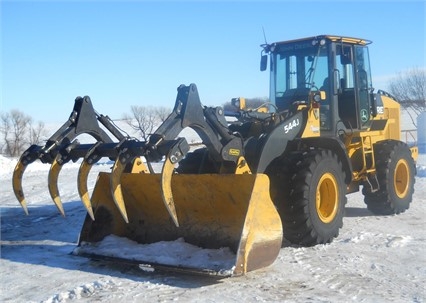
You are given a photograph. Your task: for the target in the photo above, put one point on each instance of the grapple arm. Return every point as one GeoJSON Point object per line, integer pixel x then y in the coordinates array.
{"type": "Point", "coordinates": [209, 123]}
{"type": "Point", "coordinates": [58, 148]}
{"type": "Point", "coordinates": [83, 120]}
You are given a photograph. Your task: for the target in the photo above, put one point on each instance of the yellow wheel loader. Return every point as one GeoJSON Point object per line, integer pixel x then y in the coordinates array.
{"type": "Point", "coordinates": [280, 170]}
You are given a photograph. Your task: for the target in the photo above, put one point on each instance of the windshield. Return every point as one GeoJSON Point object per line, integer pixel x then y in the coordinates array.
{"type": "Point", "coordinates": [296, 69]}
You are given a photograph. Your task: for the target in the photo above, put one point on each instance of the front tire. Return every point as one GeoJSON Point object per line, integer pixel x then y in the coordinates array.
{"type": "Point", "coordinates": [310, 194]}
{"type": "Point", "coordinates": [395, 171]}
{"type": "Point", "coordinates": [197, 162]}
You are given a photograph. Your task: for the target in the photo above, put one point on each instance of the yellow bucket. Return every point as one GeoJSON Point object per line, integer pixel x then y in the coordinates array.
{"type": "Point", "coordinates": [214, 211]}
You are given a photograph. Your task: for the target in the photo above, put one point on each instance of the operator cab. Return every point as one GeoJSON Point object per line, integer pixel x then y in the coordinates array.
{"type": "Point", "coordinates": [339, 66]}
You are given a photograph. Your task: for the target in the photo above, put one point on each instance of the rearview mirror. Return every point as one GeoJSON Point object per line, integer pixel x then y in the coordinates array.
{"type": "Point", "coordinates": [263, 62]}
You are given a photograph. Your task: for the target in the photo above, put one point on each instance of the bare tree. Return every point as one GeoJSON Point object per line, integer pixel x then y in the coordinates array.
{"type": "Point", "coordinates": [142, 119]}
{"type": "Point", "coordinates": [15, 127]}
{"type": "Point", "coordinates": [410, 89]}
{"type": "Point", "coordinates": [5, 127]}
{"type": "Point", "coordinates": [17, 132]}
{"type": "Point", "coordinates": [36, 133]}
{"type": "Point", "coordinates": [162, 113]}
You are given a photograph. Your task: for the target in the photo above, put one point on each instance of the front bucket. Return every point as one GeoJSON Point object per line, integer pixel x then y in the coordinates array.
{"type": "Point", "coordinates": [228, 223]}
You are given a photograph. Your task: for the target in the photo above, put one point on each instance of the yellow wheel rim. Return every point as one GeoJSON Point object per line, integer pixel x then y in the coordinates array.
{"type": "Point", "coordinates": [401, 178]}
{"type": "Point", "coordinates": [327, 198]}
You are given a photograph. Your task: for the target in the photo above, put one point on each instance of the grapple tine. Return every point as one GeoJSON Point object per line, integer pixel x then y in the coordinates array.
{"type": "Point", "coordinates": [54, 171]}
{"type": "Point", "coordinates": [82, 176]}
{"type": "Point", "coordinates": [17, 184]}
{"type": "Point", "coordinates": [166, 189]}
{"type": "Point", "coordinates": [115, 181]}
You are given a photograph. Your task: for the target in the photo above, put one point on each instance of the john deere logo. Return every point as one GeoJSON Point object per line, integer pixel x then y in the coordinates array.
{"type": "Point", "coordinates": [234, 152]}
{"type": "Point", "coordinates": [364, 115]}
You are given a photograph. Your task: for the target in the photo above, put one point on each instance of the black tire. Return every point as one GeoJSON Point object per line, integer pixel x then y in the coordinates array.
{"type": "Point", "coordinates": [310, 193]}
{"type": "Point", "coordinates": [395, 169]}
{"type": "Point", "coordinates": [197, 162]}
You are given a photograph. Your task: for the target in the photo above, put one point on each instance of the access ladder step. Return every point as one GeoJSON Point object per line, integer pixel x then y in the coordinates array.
{"type": "Point", "coordinates": [373, 182]}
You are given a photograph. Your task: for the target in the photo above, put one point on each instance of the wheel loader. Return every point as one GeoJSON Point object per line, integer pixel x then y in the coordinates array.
{"type": "Point", "coordinates": [279, 171]}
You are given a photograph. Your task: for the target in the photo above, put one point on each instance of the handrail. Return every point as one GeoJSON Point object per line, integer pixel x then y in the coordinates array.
{"type": "Point", "coordinates": [412, 133]}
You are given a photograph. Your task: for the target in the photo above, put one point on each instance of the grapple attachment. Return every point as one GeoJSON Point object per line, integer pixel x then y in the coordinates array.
{"type": "Point", "coordinates": [229, 210]}
{"type": "Point", "coordinates": [215, 212]}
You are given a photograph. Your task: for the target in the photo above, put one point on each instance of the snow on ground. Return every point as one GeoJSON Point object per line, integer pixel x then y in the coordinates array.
{"type": "Point", "coordinates": [374, 259]}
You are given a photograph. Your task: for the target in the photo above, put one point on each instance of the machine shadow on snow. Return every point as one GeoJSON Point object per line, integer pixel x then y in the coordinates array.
{"type": "Point", "coordinates": [19, 243]}
{"type": "Point", "coordinates": [351, 212]}
{"type": "Point", "coordinates": [18, 227]}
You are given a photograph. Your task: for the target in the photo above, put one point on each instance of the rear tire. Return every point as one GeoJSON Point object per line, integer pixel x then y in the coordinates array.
{"type": "Point", "coordinates": [310, 194]}
{"type": "Point", "coordinates": [395, 170]}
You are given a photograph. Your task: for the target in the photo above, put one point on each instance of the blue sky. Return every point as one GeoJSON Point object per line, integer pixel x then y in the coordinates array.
{"type": "Point", "coordinates": [138, 52]}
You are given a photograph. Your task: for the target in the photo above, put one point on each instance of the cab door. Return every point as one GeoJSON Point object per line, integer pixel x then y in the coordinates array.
{"type": "Point", "coordinates": [363, 85]}
{"type": "Point", "coordinates": [355, 86]}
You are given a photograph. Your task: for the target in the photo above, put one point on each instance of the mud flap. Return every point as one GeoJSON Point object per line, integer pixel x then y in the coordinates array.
{"type": "Point", "coordinates": [215, 211]}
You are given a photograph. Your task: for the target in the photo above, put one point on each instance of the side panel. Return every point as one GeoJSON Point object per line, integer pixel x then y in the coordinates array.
{"type": "Point", "coordinates": [392, 112]}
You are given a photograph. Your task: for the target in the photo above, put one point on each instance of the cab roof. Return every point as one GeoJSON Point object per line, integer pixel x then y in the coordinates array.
{"type": "Point", "coordinates": [333, 38]}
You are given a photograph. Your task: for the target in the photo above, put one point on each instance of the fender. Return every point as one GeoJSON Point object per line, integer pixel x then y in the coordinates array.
{"type": "Point", "coordinates": [330, 143]}
{"type": "Point", "coordinates": [266, 148]}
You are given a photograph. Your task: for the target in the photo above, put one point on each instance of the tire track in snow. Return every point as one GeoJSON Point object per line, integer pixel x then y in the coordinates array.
{"type": "Point", "coordinates": [84, 291]}
{"type": "Point", "coordinates": [357, 277]}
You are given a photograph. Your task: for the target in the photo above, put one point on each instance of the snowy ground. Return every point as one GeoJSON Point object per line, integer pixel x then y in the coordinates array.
{"type": "Point", "coordinates": [375, 259]}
